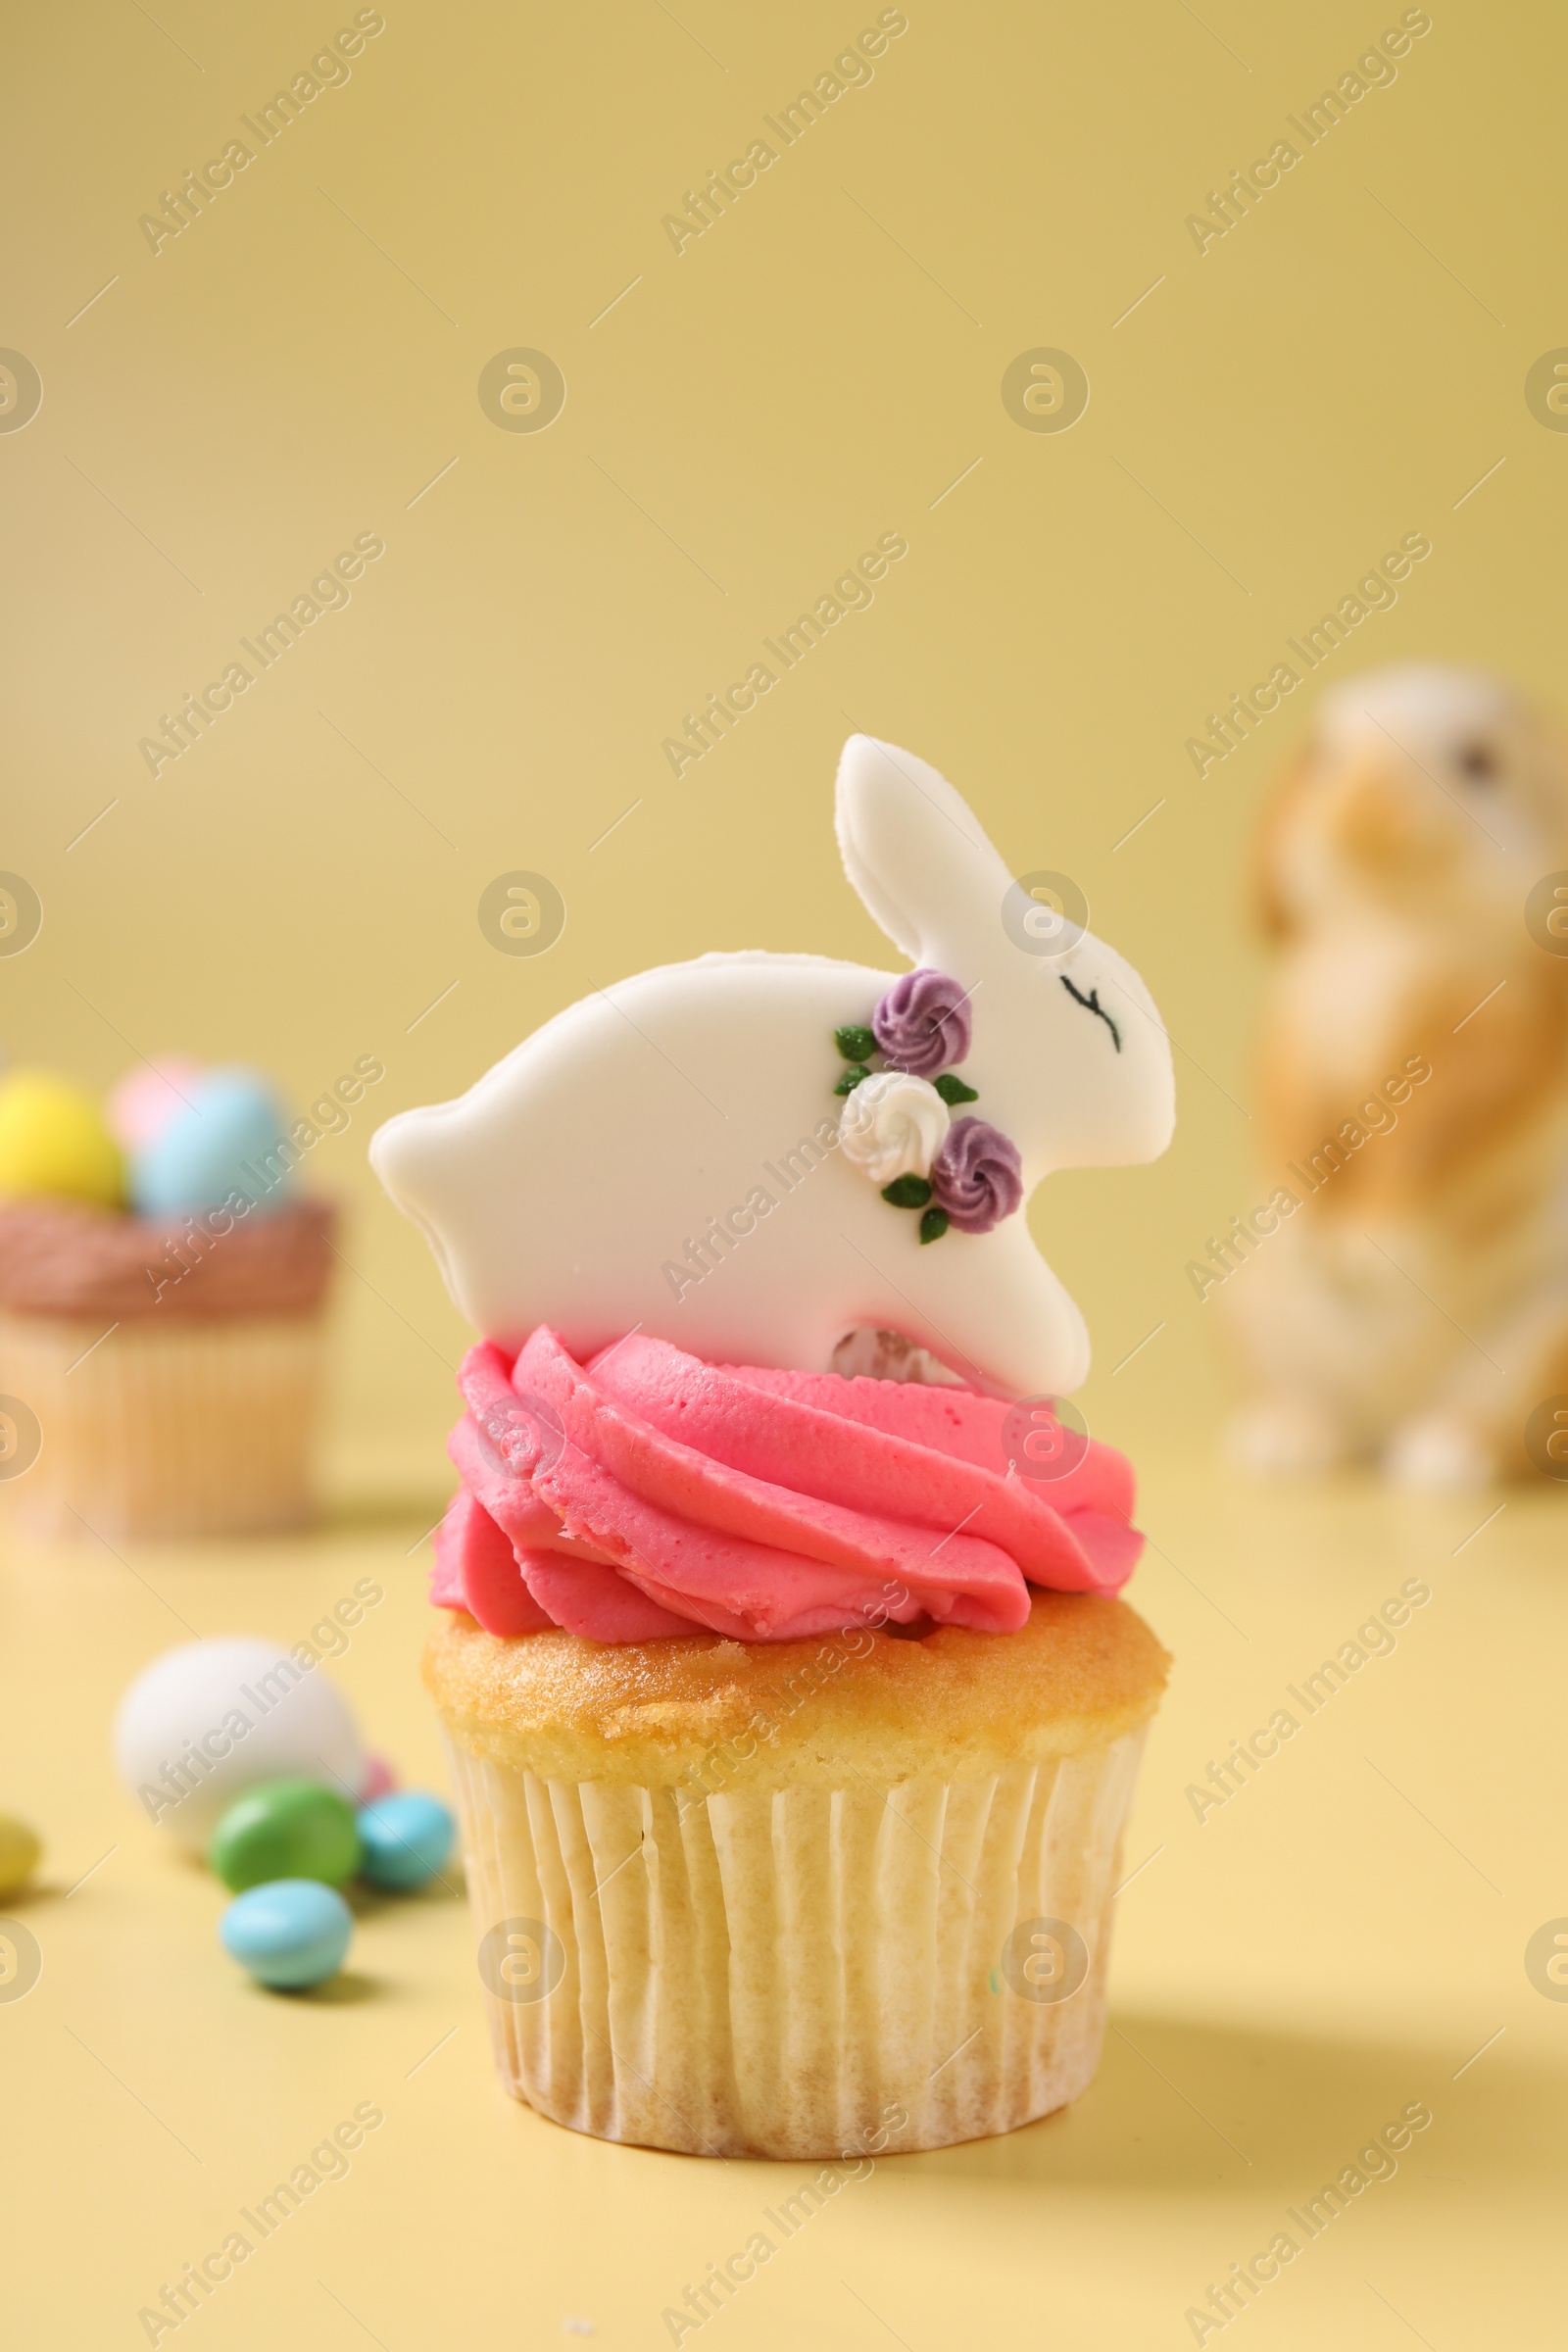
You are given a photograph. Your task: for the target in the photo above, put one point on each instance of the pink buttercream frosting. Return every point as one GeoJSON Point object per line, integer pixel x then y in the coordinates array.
{"type": "Point", "coordinates": [646, 1493]}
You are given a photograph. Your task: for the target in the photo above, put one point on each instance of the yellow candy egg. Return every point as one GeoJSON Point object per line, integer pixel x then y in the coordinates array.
{"type": "Point", "coordinates": [54, 1139]}
{"type": "Point", "coordinates": [18, 1854]}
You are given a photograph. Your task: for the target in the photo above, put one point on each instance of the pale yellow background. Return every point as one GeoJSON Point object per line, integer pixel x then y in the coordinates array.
{"type": "Point", "coordinates": [819, 369]}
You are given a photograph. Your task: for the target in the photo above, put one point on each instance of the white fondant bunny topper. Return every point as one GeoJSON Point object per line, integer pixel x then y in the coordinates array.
{"type": "Point", "coordinates": [665, 1155]}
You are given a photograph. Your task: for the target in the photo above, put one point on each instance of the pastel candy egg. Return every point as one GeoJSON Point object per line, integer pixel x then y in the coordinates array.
{"type": "Point", "coordinates": [379, 1779]}
{"type": "Point", "coordinates": [20, 1850]}
{"type": "Point", "coordinates": [405, 1838]}
{"type": "Point", "coordinates": [207, 1721]}
{"type": "Point", "coordinates": [231, 1138]}
{"type": "Point", "coordinates": [53, 1140]}
{"type": "Point", "coordinates": [148, 1097]}
{"type": "Point", "coordinates": [292, 1829]}
{"type": "Point", "coordinates": [288, 1934]}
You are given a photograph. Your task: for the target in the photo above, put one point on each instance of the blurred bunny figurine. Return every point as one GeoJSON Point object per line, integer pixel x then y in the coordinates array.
{"type": "Point", "coordinates": [1406, 1297]}
{"type": "Point", "coordinates": [687, 1154]}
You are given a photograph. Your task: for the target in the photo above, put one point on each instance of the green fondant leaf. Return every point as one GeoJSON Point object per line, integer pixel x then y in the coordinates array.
{"type": "Point", "coordinates": [852, 1078]}
{"type": "Point", "coordinates": [908, 1192]}
{"type": "Point", "coordinates": [951, 1087]}
{"type": "Point", "coordinates": [855, 1044]}
{"type": "Point", "coordinates": [933, 1225]}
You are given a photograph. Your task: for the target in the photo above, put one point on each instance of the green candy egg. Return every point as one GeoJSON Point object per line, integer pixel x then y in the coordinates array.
{"type": "Point", "coordinates": [288, 1828]}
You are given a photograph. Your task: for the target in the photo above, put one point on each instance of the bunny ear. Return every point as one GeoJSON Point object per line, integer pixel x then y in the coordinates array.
{"type": "Point", "coordinates": [911, 845]}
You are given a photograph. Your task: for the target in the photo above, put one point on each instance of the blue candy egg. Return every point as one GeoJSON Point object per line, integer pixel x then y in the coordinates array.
{"type": "Point", "coordinates": [231, 1139]}
{"type": "Point", "coordinates": [289, 1934]}
{"type": "Point", "coordinates": [405, 1838]}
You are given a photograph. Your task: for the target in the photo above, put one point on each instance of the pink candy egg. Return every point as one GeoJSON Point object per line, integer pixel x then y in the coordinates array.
{"type": "Point", "coordinates": [379, 1779]}
{"type": "Point", "coordinates": [148, 1097]}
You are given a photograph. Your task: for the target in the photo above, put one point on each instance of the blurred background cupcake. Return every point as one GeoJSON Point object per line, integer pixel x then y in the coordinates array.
{"type": "Point", "coordinates": [162, 1296]}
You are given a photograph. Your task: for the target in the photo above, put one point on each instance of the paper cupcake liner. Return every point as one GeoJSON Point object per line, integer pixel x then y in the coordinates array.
{"type": "Point", "coordinates": [177, 1428]}
{"type": "Point", "coordinates": [790, 1972]}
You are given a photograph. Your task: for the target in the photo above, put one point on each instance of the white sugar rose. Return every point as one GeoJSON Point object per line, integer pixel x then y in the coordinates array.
{"type": "Point", "coordinates": [892, 1125]}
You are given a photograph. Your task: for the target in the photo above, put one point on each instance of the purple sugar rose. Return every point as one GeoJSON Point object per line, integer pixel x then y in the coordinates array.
{"type": "Point", "coordinates": [923, 1023]}
{"type": "Point", "coordinates": [977, 1176]}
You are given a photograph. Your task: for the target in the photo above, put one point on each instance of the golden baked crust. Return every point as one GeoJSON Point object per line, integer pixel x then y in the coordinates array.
{"type": "Point", "coordinates": [713, 1714]}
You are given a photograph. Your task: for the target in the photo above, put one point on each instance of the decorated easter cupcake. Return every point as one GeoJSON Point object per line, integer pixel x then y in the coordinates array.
{"type": "Point", "coordinates": [793, 1714]}
{"type": "Point", "coordinates": [162, 1290]}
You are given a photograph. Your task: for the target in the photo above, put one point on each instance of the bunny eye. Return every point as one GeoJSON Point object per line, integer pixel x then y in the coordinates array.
{"type": "Point", "coordinates": [1092, 1003]}
{"type": "Point", "coordinates": [1478, 761]}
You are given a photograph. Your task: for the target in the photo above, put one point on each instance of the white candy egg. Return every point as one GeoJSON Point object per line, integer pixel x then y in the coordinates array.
{"type": "Point", "coordinates": [207, 1720]}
